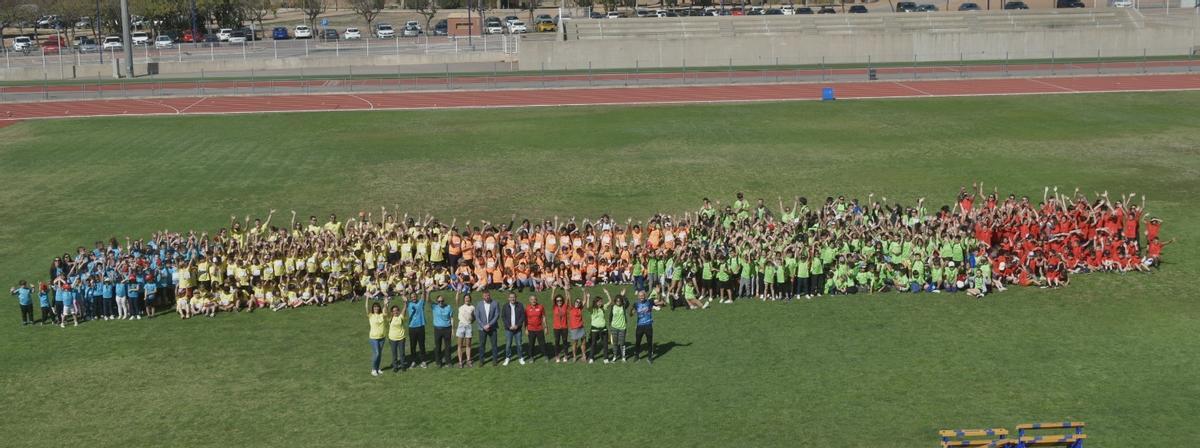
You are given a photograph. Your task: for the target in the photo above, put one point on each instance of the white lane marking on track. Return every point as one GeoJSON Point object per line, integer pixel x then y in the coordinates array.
{"type": "Point", "coordinates": [161, 104]}
{"type": "Point", "coordinates": [189, 106]}
{"type": "Point", "coordinates": [364, 100]}
{"type": "Point", "coordinates": [627, 103]}
{"type": "Point", "coordinates": [914, 89]}
{"type": "Point", "coordinates": [1049, 84]}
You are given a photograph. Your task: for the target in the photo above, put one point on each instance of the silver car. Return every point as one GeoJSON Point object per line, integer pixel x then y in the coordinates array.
{"type": "Point", "coordinates": [411, 29]}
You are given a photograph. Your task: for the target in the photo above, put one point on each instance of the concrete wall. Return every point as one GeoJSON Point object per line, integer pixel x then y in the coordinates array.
{"type": "Point", "coordinates": [55, 71]}
{"type": "Point", "coordinates": [873, 47]}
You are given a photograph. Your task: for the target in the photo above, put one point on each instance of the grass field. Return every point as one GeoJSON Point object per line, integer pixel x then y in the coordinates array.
{"type": "Point", "coordinates": [1117, 351]}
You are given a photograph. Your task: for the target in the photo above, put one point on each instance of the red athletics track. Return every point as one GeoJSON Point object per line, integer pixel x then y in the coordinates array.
{"type": "Point", "coordinates": [593, 96]}
{"type": "Point", "coordinates": [434, 79]}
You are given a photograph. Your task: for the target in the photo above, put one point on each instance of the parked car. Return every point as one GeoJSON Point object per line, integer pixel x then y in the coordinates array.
{"type": "Point", "coordinates": [774, 12]}
{"type": "Point", "coordinates": [804, 10]}
{"type": "Point", "coordinates": [906, 6]}
{"type": "Point", "coordinates": [85, 45]}
{"type": "Point", "coordinates": [541, 17]}
{"type": "Point", "coordinates": [112, 43]}
{"type": "Point", "coordinates": [612, 15]}
{"type": "Point", "coordinates": [493, 27]}
{"type": "Point", "coordinates": [411, 29]}
{"type": "Point", "coordinates": [329, 34]}
{"type": "Point", "coordinates": [596, 15]}
{"type": "Point", "coordinates": [510, 19]}
{"type": "Point", "coordinates": [1016, 5]}
{"type": "Point", "coordinates": [858, 9]}
{"type": "Point", "coordinates": [544, 26]}
{"type": "Point", "coordinates": [224, 33]}
{"type": "Point", "coordinates": [927, 8]}
{"type": "Point", "coordinates": [788, 10]}
{"type": "Point", "coordinates": [1122, 3]}
{"type": "Point", "coordinates": [1069, 4]}
{"type": "Point", "coordinates": [22, 43]}
{"type": "Point", "coordinates": [643, 13]}
{"type": "Point", "coordinates": [192, 38]}
{"type": "Point", "coordinates": [211, 40]}
{"type": "Point", "coordinates": [139, 38]}
{"type": "Point", "coordinates": [968, 7]}
{"type": "Point", "coordinates": [237, 37]}
{"type": "Point", "coordinates": [302, 32]}
{"type": "Point", "coordinates": [164, 41]}
{"type": "Point", "coordinates": [352, 34]}
{"type": "Point", "coordinates": [51, 45]}
{"type": "Point", "coordinates": [249, 33]}
{"type": "Point", "coordinates": [279, 33]}
{"type": "Point", "coordinates": [442, 28]}
{"type": "Point", "coordinates": [516, 27]}
{"type": "Point", "coordinates": [827, 10]}
{"type": "Point", "coordinates": [384, 31]}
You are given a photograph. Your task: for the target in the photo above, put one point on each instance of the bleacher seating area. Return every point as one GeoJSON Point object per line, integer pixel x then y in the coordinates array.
{"type": "Point", "coordinates": [1067, 434]}
{"type": "Point", "coordinates": [942, 22]}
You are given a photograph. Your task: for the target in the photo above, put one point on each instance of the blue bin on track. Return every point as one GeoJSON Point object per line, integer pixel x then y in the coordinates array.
{"type": "Point", "coordinates": [827, 94]}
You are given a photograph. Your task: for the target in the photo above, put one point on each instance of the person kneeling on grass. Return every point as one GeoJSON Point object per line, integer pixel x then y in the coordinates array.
{"type": "Point", "coordinates": [228, 300]}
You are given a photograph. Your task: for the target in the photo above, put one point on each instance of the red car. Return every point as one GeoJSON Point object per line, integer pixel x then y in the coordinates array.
{"type": "Point", "coordinates": [188, 37]}
{"type": "Point", "coordinates": [51, 45]}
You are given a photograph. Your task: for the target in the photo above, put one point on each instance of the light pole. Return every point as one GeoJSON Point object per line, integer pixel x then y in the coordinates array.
{"type": "Point", "coordinates": [194, 37]}
{"type": "Point", "coordinates": [98, 25]}
{"type": "Point", "coordinates": [125, 39]}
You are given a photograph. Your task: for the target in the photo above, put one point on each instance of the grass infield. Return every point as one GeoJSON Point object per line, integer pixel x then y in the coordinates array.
{"type": "Point", "coordinates": [1116, 351]}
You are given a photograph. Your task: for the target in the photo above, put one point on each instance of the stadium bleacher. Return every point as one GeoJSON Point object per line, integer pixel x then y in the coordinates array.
{"type": "Point", "coordinates": [840, 24]}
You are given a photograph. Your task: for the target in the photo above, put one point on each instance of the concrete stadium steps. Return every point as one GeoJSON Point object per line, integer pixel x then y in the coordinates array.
{"type": "Point", "coordinates": [884, 22]}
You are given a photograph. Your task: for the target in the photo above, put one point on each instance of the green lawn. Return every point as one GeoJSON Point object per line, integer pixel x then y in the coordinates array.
{"type": "Point", "coordinates": [1117, 351]}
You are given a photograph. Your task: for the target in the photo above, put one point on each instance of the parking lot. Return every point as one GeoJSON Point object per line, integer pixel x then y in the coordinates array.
{"type": "Point", "coordinates": [266, 49]}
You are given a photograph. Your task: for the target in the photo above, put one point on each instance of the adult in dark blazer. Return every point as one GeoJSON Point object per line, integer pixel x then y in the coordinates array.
{"type": "Point", "coordinates": [487, 315]}
{"type": "Point", "coordinates": [512, 318]}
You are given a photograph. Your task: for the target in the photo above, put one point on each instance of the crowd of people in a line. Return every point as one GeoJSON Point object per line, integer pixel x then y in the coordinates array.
{"type": "Point", "coordinates": [981, 243]}
{"type": "Point", "coordinates": [604, 324]}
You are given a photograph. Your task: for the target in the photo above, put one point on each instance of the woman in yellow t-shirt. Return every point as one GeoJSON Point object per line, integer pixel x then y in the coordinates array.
{"type": "Point", "coordinates": [378, 323]}
{"type": "Point", "coordinates": [397, 334]}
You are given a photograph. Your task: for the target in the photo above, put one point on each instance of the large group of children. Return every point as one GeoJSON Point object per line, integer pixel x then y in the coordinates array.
{"type": "Point", "coordinates": [740, 250]}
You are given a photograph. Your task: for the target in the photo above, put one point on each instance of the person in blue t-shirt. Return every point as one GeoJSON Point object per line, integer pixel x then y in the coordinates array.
{"type": "Point", "coordinates": [44, 303]}
{"type": "Point", "coordinates": [96, 291]}
{"type": "Point", "coordinates": [442, 314]}
{"type": "Point", "coordinates": [644, 308]}
{"type": "Point", "coordinates": [109, 304]}
{"type": "Point", "coordinates": [165, 291]}
{"type": "Point", "coordinates": [122, 289]}
{"type": "Point", "coordinates": [416, 328]}
{"type": "Point", "coordinates": [25, 300]}
{"type": "Point", "coordinates": [134, 293]}
{"type": "Point", "coordinates": [67, 291]}
{"type": "Point", "coordinates": [58, 297]}
{"type": "Point", "coordinates": [151, 292]}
